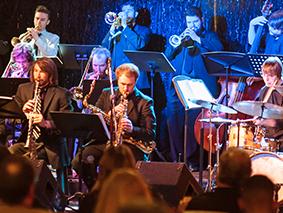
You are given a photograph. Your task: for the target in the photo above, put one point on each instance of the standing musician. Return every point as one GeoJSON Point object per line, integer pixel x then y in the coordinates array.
{"type": "Point", "coordinates": [125, 34]}
{"type": "Point", "coordinates": [274, 37]}
{"type": "Point", "coordinates": [272, 75]}
{"type": "Point", "coordinates": [99, 64]}
{"type": "Point", "coordinates": [185, 56]}
{"type": "Point", "coordinates": [53, 98]}
{"type": "Point", "coordinates": [140, 122]}
{"type": "Point", "coordinates": [43, 42]}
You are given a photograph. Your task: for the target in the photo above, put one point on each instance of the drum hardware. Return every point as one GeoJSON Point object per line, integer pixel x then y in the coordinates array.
{"type": "Point", "coordinates": [260, 109]}
{"type": "Point", "coordinates": [212, 106]}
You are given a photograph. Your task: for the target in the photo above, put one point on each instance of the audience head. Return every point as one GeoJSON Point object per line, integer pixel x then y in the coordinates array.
{"type": "Point", "coordinates": [16, 181]}
{"type": "Point", "coordinates": [122, 186]}
{"type": "Point", "coordinates": [114, 157]}
{"type": "Point", "coordinates": [271, 70]}
{"type": "Point", "coordinates": [142, 206]}
{"type": "Point", "coordinates": [234, 167]}
{"type": "Point", "coordinates": [257, 195]}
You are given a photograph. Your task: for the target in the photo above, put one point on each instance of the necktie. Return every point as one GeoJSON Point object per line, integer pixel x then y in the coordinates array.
{"type": "Point", "coordinates": [36, 47]}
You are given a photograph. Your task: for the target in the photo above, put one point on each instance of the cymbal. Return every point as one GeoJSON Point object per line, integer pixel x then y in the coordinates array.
{"type": "Point", "coordinates": [279, 89]}
{"type": "Point", "coordinates": [217, 120]}
{"type": "Point", "coordinates": [214, 106]}
{"type": "Point", "coordinates": [258, 108]}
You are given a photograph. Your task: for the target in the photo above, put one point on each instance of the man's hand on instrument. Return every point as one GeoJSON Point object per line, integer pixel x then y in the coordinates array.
{"type": "Point", "coordinates": [28, 106]}
{"type": "Point", "coordinates": [33, 33]}
{"type": "Point", "coordinates": [127, 125]}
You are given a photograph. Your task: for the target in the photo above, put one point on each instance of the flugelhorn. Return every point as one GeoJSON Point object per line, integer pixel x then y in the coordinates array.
{"type": "Point", "coordinates": [176, 40]}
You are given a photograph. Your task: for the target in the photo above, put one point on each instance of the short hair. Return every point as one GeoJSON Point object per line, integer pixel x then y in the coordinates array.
{"type": "Point", "coordinates": [194, 11]}
{"type": "Point", "coordinates": [47, 65]}
{"type": "Point", "coordinates": [276, 20]}
{"type": "Point", "coordinates": [42, 9]}
{"type": "Point", "coordinates": [234, 167]}
{"type": "Point", "coordinates": [101, 51]}
{"type": "Point", "coordinates": [272, 66]}
{"type": "Point", "coordinates": [129, 3]}
{"type": "Point", "coordinates": [16, 179]}
{"type": "Point", "coordinates": [23, 50]}
{"type": "Point", "coordinates": [129, 69]}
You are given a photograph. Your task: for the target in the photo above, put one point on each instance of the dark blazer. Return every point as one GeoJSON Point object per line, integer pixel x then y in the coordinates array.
{"type": "Point", "coordinates": [55, 99]}
{"type": "Point", "coordinates": [140, 112]}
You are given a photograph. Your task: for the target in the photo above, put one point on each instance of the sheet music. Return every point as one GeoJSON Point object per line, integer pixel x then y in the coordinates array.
{"type": "Point", "coordinates": [190, 89]}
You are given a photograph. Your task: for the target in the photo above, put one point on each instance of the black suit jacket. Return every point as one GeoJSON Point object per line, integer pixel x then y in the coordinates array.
{"type": "Point", "coordinates": [140, 112]}
{"type": "Point", "coordinates": [55, 99]}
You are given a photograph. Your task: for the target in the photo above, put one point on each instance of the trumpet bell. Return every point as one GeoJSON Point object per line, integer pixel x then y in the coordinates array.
{"type": "Point", "coordinates": [175, 41]}
{"type": "Point", "coordinates": [77, 93]}
{"type": "Point", "coordinates": [110, 17]}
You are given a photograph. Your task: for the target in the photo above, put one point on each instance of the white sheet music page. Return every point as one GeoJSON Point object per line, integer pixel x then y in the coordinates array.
{"type": "Point", "coordinates": [194, 89]}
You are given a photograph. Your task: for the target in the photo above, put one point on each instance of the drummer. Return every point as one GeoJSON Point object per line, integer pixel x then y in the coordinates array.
{"type": "Point", "coordinates": [271, 72]}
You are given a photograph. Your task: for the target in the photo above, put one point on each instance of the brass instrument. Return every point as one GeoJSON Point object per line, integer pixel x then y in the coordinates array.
{"type": "Point", "coordinates": [33, 130]}
{"type": "Point", "coordinates": [25, 37]}
{"type": "Point", "coordinates": [77, 92]}
{"type": "Point", "coordinates": [112, 18]}
{"type": "Point", "coordinates": [176, 40]}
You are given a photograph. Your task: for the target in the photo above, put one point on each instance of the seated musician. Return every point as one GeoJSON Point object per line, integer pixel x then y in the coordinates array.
{"type": "Point", "coordinates": [50, 98]}
{"type": "Point", "coordinates": [272, 75]}
{"type": "Point", "coordinates": [99, 64]}
{"type": "Point", "coordinates": [138, 123]}
{"type": "Point", "coordinates": [21, 58]}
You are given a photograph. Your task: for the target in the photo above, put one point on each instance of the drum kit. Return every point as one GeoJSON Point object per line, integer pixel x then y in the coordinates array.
{"type": "Point", "coordinates": [266, 160]}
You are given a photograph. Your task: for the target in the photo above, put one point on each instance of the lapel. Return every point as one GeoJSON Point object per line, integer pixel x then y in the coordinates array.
{"type": "Point", "coordinates": [132, 101]}
{"type": "Point", "coordinates": [48, 97]}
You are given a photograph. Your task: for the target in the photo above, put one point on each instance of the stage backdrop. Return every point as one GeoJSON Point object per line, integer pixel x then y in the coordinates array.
{"type": "Point", "coordinates": [82, 21]}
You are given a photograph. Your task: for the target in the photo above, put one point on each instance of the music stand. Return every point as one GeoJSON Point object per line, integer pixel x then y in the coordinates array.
{"type": "Point", "coordinates": [256, 61]}
{"type": "Point", "coordinates": [74, 55]}
{"type": "Point", "coordinates": [9, 86]}
{"type": "Point", "coordinates": [79, 125]}
{"type": "Point", "coordinates": [9, 108]}
{"type": "Point", "coordinates": [188, 89]}
{"type": "Point", "coordinates": [151, 62]}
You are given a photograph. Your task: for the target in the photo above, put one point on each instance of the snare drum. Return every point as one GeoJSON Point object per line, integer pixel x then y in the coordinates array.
{"type": "Point", "coordinates": [270, 165]}
{"type": "Point", "coordinates": [246, 139]}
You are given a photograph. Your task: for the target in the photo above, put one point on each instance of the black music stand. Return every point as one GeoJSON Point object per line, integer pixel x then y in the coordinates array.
{"type": "Point", "coordinates": [9, 108]}
{"type": "Point", "coordinates": [151, 62]}
{"type": "Point", "coordinates": [256, 61]}
{"type": "Point", "coordinates": [9, 86]}
{"type": "Point", "coordinates": [74, 55]}
{"type": "Point", "coordinates": [79, 125]}
{"type": "Point", "coordinates": [188, 89]}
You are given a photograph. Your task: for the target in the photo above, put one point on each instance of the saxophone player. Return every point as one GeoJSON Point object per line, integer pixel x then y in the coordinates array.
{"type": "Point", "coordinates": [140, 122]}
{"type": "Point", "coordinates": [44, 43]}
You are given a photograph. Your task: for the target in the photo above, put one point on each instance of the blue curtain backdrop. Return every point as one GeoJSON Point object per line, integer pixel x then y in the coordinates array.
{"type": "Point", "coordinates": [82, 21]}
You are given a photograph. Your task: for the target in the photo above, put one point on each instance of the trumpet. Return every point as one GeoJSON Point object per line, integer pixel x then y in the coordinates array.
{"type": "Point", "coordinates": [112, 18]}
{"type": "Point", "coordinates": [25, 37]}
{"type": "Point", "coordinates": [176, 40]}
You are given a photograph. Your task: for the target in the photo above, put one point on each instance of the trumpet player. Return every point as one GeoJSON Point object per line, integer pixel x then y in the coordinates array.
{"type": "Point", "coordinates": [44, 43]}
{"type": "Point", "coordinates": [125, 34]}
{"type": "Point", "coordinates": [140, 122]}
{"type": "Point", "coordinates": [186, 57]}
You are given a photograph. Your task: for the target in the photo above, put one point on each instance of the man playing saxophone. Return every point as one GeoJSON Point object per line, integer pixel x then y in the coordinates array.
{"type": "Point", "coordinates": [139, 123]}
{"type": "Point", "coordinates": [43, 42]}
{"type": "Point", "coordinates": [53, 98]}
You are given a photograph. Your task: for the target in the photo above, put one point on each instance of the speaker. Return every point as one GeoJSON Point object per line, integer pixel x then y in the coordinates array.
{"type": "Point", "coordinates": [48, 193]}
{"type": "Point", "coordinates": [170, 180]}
